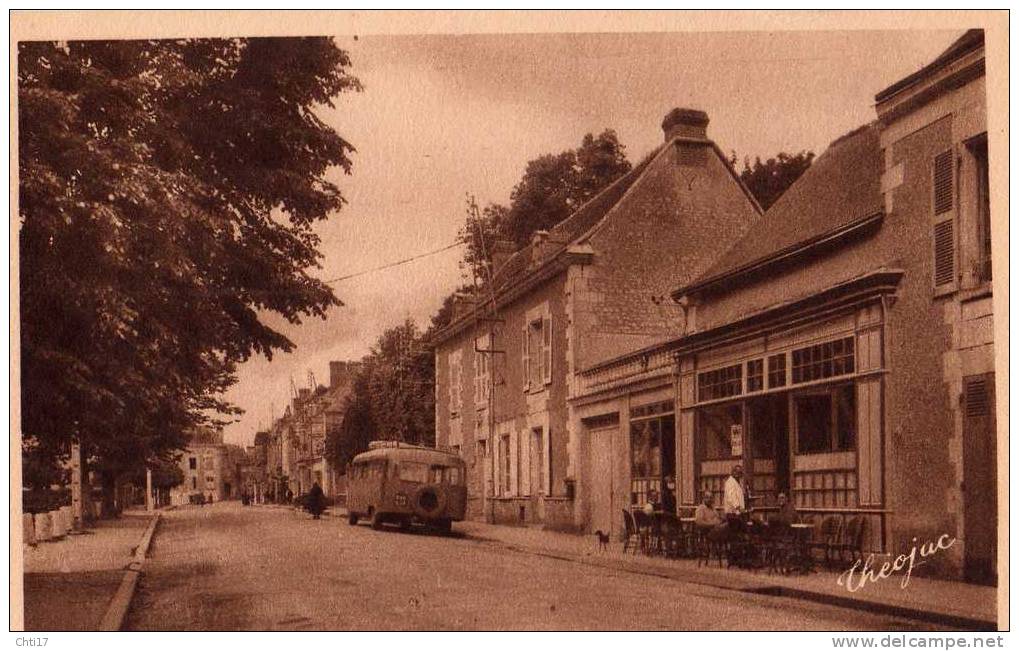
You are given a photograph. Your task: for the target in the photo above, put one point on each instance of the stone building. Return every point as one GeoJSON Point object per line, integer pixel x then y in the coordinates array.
{"type": "Point", "coordinates": [842, 350]}
{"type": "Point", "coordinates": [209, 467]}
{"type": "Point", "coordinates": [593, 286]}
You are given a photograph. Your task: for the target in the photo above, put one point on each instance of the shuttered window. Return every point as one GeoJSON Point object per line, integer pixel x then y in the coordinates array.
{"type": "Point", "coordinates": [546, 348]}
{"type": "Point", "coordinates": [944, 253]}
{"type": "Point", "coordinates": [978, 401]}
{"type": "Point", "coordinates": [943, 183]}
{"type": "Point", "coordinates": [943, 203]}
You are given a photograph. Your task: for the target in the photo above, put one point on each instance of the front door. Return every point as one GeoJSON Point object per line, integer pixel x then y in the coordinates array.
{"type": "Point", "coordinates": [602, 488]}
{"type": "Point", "coordinates": [980, 485]}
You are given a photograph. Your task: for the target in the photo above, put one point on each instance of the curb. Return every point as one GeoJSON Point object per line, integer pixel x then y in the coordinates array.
{"type": "Point", "coordinates": [757, 586]}
{"type": "Point", "coordinates": [116, 612]}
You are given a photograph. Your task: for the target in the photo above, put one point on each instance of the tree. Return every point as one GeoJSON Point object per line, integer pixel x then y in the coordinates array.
{"type": "Point", "coordinates": [551, 188]}
{"type": "Point", "coordinates": [769, 180]}
{"type": "Point", "coordinates": [168, 193]}
{"type": "Point", "coordinates": [392, 397]}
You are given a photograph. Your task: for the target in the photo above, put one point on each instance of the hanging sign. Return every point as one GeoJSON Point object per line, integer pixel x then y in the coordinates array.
{"type": "Point", "coordinates": [736, 440]}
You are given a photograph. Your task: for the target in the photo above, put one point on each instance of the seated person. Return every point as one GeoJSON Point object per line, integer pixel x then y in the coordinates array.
{"type": "Point", "coordinates": [786, 514]}
{"type": "Point", "coordinates": [706, 517]}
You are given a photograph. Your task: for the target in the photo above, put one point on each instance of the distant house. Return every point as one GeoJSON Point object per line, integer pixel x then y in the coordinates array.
{"type": "Point", "coordinates": [594, 286]}
{"type": "Point", "coordinates": [842, 349]}
{"type": "Point", "coordinates": [295, 443]}
{"type": "Point", "coordinates": [208, 466]}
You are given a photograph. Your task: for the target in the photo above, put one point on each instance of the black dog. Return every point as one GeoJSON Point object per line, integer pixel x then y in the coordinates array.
{"type": "Point", "coordinates": [603, 540]}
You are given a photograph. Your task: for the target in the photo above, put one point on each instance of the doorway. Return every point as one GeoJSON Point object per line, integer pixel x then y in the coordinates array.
{"type": "Point", "coordinates": [769, 463]}
{"type": "Point", "coordinates": [602, 482]}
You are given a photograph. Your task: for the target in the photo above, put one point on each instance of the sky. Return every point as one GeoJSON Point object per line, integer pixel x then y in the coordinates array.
{"type": "Point", "coordinates": [444, 116]}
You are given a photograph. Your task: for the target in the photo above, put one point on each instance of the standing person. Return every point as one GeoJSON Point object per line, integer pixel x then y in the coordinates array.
{"type": "Point", "coordinates": [316, 501]}
{"type": "Point", "coordinates": [734, 503]}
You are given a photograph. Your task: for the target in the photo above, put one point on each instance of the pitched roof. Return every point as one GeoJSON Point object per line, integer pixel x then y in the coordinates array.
{"type": "Point", "coordinates": [518, 269]}
{"type": "Point", "coordinates": [971, 40]}
{"type": "Point", "coordinates": [835, 197]}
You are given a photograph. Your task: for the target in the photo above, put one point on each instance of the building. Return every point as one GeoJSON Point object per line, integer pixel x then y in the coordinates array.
{"type": "Point", "coordinates": [294, 446]}
{"type": "Point", "coordinates": [841, 350]}
{"type": "Point", "coordinates": [210, 468]}
{"type": "Point", "coordinates": [593, 286]}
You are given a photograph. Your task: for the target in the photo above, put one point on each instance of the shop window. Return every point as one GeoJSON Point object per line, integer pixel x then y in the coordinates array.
{"type": "Point", "coordinates": [826, 420]}
{"type": "Point", "coordinates": [654, 409]}
{"type": "Point", "coordinates": [646, 441]}
{"type": "Point", "coordinates": [653, 455]}
{"type": "Point", "coordinates": [822, 361]}
{"type": "Point", "coordinates": [716, 428]}
{"type": "Point", "coordinates": [755, 375]}
{"type": "Point", "coordinates": [776, 371]}
{"type": "Point", "coordinates": [720, 383]}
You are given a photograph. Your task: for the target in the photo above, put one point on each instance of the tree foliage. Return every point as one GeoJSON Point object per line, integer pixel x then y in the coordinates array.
{"type": "Point", "coordinates": [767, 181]}
{"type": "Point", "coordinates": [168, 192]}
{"type": "Point", "coordinates": [551, 188]}
{"type": "Point", "coordinates": [393, 396]}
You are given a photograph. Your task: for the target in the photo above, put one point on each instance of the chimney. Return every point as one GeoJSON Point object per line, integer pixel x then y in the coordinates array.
{"type": "Point", "coordinates": [539, 242]}
{"type": "Point", "coordinates": [341, 373]}
{"type": "Point", "coordinates": [502, 250]}
{"type": "Point", "coordinates": [462, 304]}
{"type": "Point", "coordinates": [685, 123]}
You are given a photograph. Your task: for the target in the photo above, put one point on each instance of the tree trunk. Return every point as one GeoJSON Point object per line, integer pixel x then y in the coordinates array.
{"type": "Point", "coordinates": [108, 480]}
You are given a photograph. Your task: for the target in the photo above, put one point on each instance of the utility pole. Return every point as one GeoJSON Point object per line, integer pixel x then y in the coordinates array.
{"type": "Point", "coordinates": [149, 506]}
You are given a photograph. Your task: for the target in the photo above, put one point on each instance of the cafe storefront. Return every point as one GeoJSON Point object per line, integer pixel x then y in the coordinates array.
{"type": "Point", "coordinates": [798, 403]}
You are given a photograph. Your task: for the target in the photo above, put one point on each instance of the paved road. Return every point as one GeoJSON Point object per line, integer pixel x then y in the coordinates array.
{"type": "Point", "coordinates": [227, 567]}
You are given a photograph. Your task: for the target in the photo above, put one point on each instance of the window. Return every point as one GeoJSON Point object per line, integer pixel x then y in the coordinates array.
{"type": "Point", "coordinates": [536, 460]}
{"type": "Point", "coordinates": [536, 347]}
{"type": "Point", "coordinates": [504, 464]}
{"type": "Point", "coordinates": [455, 377]}
{"type": "Point", "coordinates": [755, 375]}
{"type": "Point", "coordinates": [193, 463]}
{"type": "Point", "coordinates": [482, 369]}
{"type": "Point", "coordinates": [645, 446]}
{"type": "Point", "coordinates": [776, 371]}
{"type": "Point", "coordinates": [451, 475]}
{"type": "Point", "coordinates": [826, 420]}
{"type": "Point", "coordinates": [715, 428]}
{"type": "Point", "coordinates": [411, 471]}
{"type": "Point", "coordinates": [978, 148]}
{"type": "Point", "coordinates": [821, 361]}
{"type": "Point", "coordinates": [720, 383]}
{"type": "Point", "coordinates": [943, 207]}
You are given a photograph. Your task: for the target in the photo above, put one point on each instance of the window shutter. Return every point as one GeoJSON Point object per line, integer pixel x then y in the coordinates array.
{"type": "Point", "coordinates": [525, 369]}
{"type": "Point", "coordinates": [944, 197]}
{"type": "Point", "coordinates": [546, 347]}
{"type": "Point", "coordinates": [944, 220]}
{"type": "Point", "coordinates": [978, 403]}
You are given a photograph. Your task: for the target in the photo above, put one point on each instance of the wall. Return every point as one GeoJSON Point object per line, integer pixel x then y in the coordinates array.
{"type": "Point", "coordinates": [668, 228]}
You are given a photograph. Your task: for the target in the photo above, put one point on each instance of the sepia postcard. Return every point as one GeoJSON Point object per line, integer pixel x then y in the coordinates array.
{"type": "Point", "coordinates": [480, 321]}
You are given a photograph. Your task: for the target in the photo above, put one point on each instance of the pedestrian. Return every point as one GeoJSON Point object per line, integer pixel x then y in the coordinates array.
{"type": "Point", "coordinates": [315, 501]}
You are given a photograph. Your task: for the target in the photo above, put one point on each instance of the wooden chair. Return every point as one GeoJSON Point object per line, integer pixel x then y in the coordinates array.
{"type": "Point", "coordinates": [828, 538]}
{"type": "Point", "coordinates": [852, 541]}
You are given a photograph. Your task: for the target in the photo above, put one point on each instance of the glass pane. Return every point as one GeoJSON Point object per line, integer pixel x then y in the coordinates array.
{"type": "Point", "coordinates": [813, 423]}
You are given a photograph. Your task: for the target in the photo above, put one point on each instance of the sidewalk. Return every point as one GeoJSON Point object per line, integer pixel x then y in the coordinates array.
{"type": "Point", "coordinates": [947, 602]}
{"type": "Point", "coordinates": [69, 583]}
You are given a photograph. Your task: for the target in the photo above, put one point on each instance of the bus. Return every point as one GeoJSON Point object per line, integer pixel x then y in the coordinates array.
{"type": "Point", "coordinates": [398, 483]}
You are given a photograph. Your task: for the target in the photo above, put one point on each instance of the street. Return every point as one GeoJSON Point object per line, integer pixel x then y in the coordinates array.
{"type": "Point", "coordinates": [228, 567]}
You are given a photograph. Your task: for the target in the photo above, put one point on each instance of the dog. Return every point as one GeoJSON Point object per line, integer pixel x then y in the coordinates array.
{"type": "Point", "coordinates": [603, 540]}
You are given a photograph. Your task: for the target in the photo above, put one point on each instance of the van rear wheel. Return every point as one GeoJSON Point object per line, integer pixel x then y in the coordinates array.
{"type": "Point", "coordinates": [351, 518]}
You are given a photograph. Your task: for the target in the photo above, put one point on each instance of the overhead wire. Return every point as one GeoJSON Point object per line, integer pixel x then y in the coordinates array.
{"type": "Point", "coordinates": [393, 264]}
